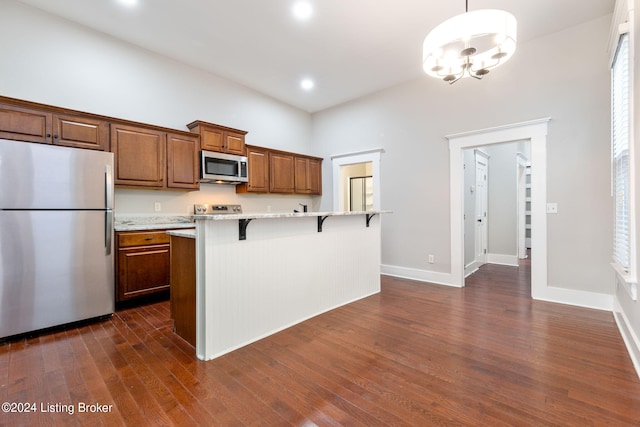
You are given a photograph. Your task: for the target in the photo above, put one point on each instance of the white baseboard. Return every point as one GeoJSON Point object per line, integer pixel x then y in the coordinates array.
{"type": "Point", "coordinates": [502, 259]}
{"type": "Point", "coordinates": [628, 336]}
{"type": "Point", "coordinates": [575, 297]}
{"type": "Point", "coordinates": [417, 274]}
{"type": "Point", "coordinates": [471, 268]}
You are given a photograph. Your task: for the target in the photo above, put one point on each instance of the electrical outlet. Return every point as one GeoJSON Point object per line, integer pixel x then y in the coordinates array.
{"type": "Point", "coordinates": [431, 259]}
{"type": "Point", "coordinates": [552, 208]}
{"type": "Point", "coordinates": [157, 206]}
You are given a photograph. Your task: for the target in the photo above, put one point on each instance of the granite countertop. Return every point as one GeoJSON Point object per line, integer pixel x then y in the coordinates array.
{"type": "Point", "coordinates": [189, 233]}
{"type": "Point", "coordinates": [135, 223]}
{"type": "Point", "coordinates": [266, 215]}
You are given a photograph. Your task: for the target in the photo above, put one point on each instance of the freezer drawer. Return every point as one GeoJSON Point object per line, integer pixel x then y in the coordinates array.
{"type": "Point", "coordinates": [54, 268]}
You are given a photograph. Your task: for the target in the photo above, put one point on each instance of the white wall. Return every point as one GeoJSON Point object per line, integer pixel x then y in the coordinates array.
{"type": "Point", "coordinates": [564, 76]}
{"type": "Point", "coordinates": [52, 61]}
{"type": "Point", "coordinates": [503, 199]}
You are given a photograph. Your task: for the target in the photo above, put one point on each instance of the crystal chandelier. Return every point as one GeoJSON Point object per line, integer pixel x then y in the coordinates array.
{"type": "Point", "coordinates": [469, 45]}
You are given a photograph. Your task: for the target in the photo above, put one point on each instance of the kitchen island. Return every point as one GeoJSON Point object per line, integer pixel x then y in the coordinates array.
{"type": "Point", "coordinates": [257, 274]}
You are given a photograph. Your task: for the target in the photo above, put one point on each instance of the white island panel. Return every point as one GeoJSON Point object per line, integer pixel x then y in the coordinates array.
{"type": "Point", "coordinates": [283, 273]}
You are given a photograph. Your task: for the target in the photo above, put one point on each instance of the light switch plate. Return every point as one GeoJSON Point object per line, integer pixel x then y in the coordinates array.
{"type": "Point", "coordinates": [552, 208]}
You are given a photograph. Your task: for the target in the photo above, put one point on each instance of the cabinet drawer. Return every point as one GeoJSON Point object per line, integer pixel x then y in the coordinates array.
{"type": "Point", "coordinates": [143, 238]}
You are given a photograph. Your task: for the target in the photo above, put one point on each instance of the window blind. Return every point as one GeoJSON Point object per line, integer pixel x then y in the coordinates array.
{"type": "Point", "coordinates": [620, 150]}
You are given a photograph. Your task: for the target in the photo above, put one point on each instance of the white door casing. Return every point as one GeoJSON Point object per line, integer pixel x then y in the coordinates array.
{"type": "Point", "coordinates": [534, 131]}
{"type": "Point", "coordinates": [482, 202]}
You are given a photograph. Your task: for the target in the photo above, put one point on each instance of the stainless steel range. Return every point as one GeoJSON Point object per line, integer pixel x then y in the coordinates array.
{"type": "Point", "coordinates": [217, 209]}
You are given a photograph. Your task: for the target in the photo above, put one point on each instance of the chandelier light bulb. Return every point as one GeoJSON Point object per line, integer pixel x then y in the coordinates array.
{"type": "Point", "coordinates": [473, 44]}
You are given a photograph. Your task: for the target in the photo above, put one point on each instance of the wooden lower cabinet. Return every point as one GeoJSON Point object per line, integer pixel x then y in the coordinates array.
{"type": "Point", "coordinates": [142, 263]}
{"type": "Point", "coordinates": [183, 287]}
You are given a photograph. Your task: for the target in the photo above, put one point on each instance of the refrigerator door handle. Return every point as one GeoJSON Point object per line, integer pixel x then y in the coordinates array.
{"type": "Point", "coordinates": [108, 231]}
{"type": "Point", "coordinates": [108, 226]}
{"type": "Point", "coordinates": [108, 186]}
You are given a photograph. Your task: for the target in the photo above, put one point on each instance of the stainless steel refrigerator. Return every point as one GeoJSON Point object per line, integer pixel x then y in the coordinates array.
{"type": "Point", "coordinates": [56, 236]}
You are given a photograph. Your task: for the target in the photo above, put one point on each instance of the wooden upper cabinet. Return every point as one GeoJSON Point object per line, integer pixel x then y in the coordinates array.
{"type": "Point", "coordinates": [25, 124]}
{"type": "Point", "coordinates": [308, 175]}
{"type": "Point", "coordinates": [273, 171]}
{"type": "Point", "coordinates": [211, 139]}
{"type": "Point", "coordinates": [219, 138]}
{"type": "Point", "coordinates": [258, 164]}
{"type": "Point", "coordinates": [80, 131]}
{"type": "Point", "coordinates": [139, 155]}
{"type": "Point", "coordinates": [182, 162]}
{"type": "Point", "coordinates": [22, 123]}
{"type": "Point", "coordinates": [234, 143]}
{"type": "Point", "coordinates": [281, 172]}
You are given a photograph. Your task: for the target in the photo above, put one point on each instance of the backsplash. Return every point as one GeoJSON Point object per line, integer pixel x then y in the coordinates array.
{"type": "Point", "coordinates": [144, 202]}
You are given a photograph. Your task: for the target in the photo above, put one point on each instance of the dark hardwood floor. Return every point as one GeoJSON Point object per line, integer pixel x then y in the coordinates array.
{"type": "Point", "coordinates": [415, 354]}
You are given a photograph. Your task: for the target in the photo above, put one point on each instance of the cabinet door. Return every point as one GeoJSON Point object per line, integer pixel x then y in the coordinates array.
{"type": "Point", "coordinates": [25, 124]}
{"type": "Point", "coordinates": [314, 178]}
{"type": "Point", "coordinates": [234, 143]}
{"type": "Point", "coordinates": [281, 173]}
{"type": "Point", "coordinates": [302, 175]}
{"type": "Point", "coordinates": [182, 162]}
{"type": "Point", "coordinates": [308, 177]}
{"type": "Point", "coordinates": [80, 132]}
{"type": "Point", "coordinates": [212, 139]}
{"type": "Point", "coordinates": [258, 170]}
{"type": "Point", "coordinates": [138, 155]}
{"type": "Point", "coordinates": [142, 271]}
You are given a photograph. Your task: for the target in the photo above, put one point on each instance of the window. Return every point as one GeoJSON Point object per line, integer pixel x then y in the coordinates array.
{"type": "Point", "coordinates": [620, 121]}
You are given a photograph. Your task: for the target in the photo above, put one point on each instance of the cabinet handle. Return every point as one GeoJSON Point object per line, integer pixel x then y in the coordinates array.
{"type": "Point", "coordinates": [148, 238]}
{"type": "Point", "coordinates": [48, 135]}
{"type": "Point", "coordinates": [55, 136]}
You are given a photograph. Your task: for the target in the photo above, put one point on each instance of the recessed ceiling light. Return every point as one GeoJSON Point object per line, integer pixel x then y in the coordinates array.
{"type": "Point", "coordinates": [302, 10]}
{"type": "Point", "coordinates": [307, 84]}
{"type": "Point", "coordinates": [129, 3]}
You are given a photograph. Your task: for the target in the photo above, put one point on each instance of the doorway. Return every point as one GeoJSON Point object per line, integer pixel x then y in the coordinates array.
{"type": "Point", "coordinates": [492, 204]}
{"type": "Point", "coordinates": [362, 164]}
{"type": "Point", "coordinates": [535, 132]}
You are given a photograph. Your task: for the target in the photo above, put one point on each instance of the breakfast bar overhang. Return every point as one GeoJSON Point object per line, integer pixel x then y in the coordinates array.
{"type": "Point", "coordinates": [257, 274]}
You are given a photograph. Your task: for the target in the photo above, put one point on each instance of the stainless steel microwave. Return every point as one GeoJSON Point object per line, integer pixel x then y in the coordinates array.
{"type": "Point", "coordinates": [221, 168]}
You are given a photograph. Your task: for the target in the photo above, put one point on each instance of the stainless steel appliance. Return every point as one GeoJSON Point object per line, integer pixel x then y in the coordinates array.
{"type": "Point", "coordinates": [221, 168]}
{"type": "Point", "coordinates": [56, 236]}
{"type": "Point", "coordinates": [217, 209]}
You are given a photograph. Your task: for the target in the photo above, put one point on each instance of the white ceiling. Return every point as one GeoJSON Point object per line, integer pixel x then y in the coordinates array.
{"type": "Point", "coordinates": [349, 47]}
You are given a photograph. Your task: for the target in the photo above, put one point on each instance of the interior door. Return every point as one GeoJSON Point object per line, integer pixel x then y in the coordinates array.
{"type": "Point", "coordinates": [482, 201]}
